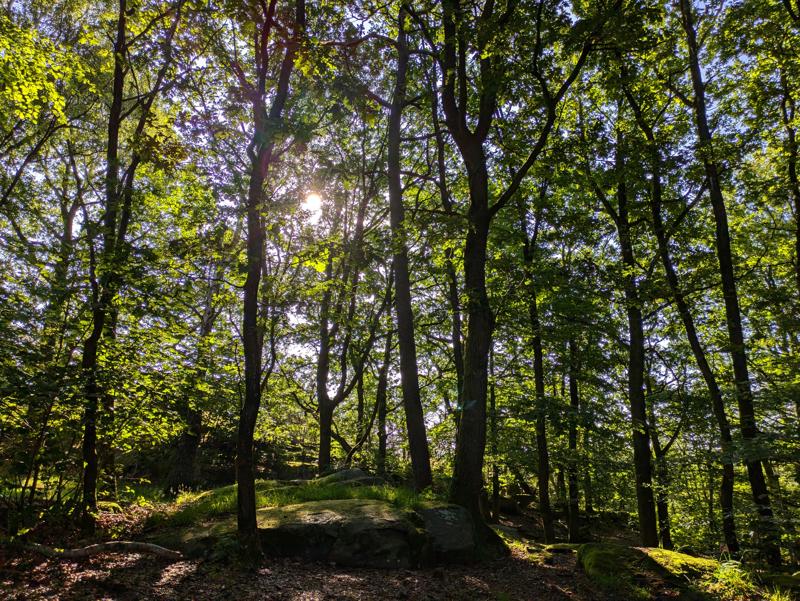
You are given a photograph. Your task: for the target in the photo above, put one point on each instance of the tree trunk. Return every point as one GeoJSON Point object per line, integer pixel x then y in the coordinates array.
{"type": "Point", "coordinates": [542, 451]}
{"type": "Point", "coordinates": [467, 481]}
{"type": "Point", "coordinates": [682, 305]}
{"type": "Point", "coordinates": [493, 441]}
{"type": "Point", "coordinates": [260, 151]}
{"type": "Point", "coordinates": [792, 156]}
{"type": "Point", "coordinates": [380, 400]}
{"type": "Point", "coordinates": [573, 523]}
{"type": "Point", "coordinates": [744, 393]}
{"type": "Point", "coordinates": [662, 482]}
{"type": "Point", "coordinates": [450, 268]}
{"type": "Point", "coordinates": [325, 430]}
{"type": "Point", "coordinates": [409, 377]}
{"type": "Point", "coordinates": [101, 290]}
{"type": "Point", "coordinates": [252, 338]}
{"type": "Point", "coordinates": [641, 445]}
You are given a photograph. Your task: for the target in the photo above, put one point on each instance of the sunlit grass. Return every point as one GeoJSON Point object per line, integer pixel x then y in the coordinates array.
{"type": "Point", "coordinates": [195, 507]}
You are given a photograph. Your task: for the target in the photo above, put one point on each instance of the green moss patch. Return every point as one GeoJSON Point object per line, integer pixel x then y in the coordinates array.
{"type": "Point", "coordinates": [633, 573]}
{"type": "Point", "coordinates": [194, 508]}
{"type": "Point", "coordinates": [680, 565]}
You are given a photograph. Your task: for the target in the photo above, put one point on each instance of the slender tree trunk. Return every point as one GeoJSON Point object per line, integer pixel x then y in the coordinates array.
{"type": "Point", "coordinates": [682, 305]}
{"type": "Point", "coordinates": [260, 151]}
{"type": "Point", "coordinates": [102, 294]}
{"type": "Point", "coordinates": [788, 111]}
{"type": "Point", "coordinates": [409, 378]}
{"type": "Point", "coordinates": [493, 440]}
{"type": "Point", "coordinates": [744, 393]}
{"type": "Point", "coordinates": [641, 445]}
{"type": "Point", "coordinates": [453, 298]}
{"type": "Point", "coordinates": [588, 490]}
{"type": "Point", "coordinates": [325, 431]}
{"type": "Point", "coordinates": [252, 338]}
{"type": "Point", "coordinates": [542, 451]}
{"type": "Point", "coordinates": [573, 522]}
{"type": "Point", "coordinates": [662, 482]}
{"type": "Point", "coordinates": [380, 400]}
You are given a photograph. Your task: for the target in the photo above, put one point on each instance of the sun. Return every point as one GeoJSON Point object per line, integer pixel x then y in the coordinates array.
{"type": "Point", "coordinates": [313, 206]}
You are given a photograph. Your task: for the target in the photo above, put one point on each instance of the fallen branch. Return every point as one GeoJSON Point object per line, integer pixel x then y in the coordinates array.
{"type": "Point", "coordinates": [116, 545]}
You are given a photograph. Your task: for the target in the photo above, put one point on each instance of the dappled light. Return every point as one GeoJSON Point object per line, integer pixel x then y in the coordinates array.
{"type": "Point", "coordinates": [410, 299]}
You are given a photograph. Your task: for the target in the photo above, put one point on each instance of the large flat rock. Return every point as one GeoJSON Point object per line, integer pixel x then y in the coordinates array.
{"type": "Point", "coordinates": [352, 532]}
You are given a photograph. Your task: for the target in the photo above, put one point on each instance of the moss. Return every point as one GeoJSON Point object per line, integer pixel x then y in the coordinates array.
{"type": "Point", "coordinates": [612, 567]}
{"type": "Point", "coordinates": [193, 508]}
{"type": "Point", "coordinates": [681, 565]}
{"type": "Point", "coordinates": [634, 573]}
{"type": "Point", "coordinates": [562, 547]}
{"type": "Point", "coordinates": [321, 511]}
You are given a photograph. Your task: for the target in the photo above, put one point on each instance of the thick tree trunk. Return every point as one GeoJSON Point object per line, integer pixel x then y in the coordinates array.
{"type": "Point", "coordinates": [573, 523]}
{"type": "Point", "coordinates": [737, 349]}
{"type": "Point", "coordinates": [467, 481]}
{"type": "Point", "coordinates": [409, 377]}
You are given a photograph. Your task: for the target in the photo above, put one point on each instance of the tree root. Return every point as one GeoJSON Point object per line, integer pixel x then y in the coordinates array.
{"type": "Point", "coordinates": [112, 546]}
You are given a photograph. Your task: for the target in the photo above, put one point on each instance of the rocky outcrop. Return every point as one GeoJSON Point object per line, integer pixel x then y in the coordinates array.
{"type": "Point", "coordinates": [368, 533]}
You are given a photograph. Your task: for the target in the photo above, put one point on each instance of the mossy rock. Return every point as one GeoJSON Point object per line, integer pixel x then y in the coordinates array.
{"type": "Point", "coordinates": [634, 573]}
{"type": "Point", "coordinates": [351, 532]}
{"type": "Point", "coordinates": [682, 565]}
{"type": "Point", "coordinates": [330, 526]}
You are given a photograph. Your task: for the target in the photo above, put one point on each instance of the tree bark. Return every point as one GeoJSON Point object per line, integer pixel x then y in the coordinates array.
{"type": "Point", "coordinates": [101, 290]}
{"type": "Point", "coordinates": [260, 151]}
{"type": "Point", "coordinates": [380, 400]}
{"type": "Point", "coordinates": [573, 522]}
{"type": "Point", "coordinates": [682, 305]}
{"type": "Point", "coordinates": [409, 377]}
{"type": "Point", "coordinates": [493, 440]}
{"type": "Point", "coordinates": [471, 442]}
{"type": "Point", "coordinates": [737, 348]}
{"type": "Point", "coordinates": [641, 445]}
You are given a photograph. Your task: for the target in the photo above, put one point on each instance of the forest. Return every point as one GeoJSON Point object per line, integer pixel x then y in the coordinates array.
{"type": "Point", "coordinates": [447, 299]}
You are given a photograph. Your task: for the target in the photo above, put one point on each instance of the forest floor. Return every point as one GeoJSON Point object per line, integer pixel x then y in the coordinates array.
{"type": "Point", "coordinates": [529, 573]}
{"type": "Point", "coordinates": [532, 571]}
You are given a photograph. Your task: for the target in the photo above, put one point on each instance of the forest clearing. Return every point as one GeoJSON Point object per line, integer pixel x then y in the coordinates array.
{"type": "Point", "coordinates": [416, 299]}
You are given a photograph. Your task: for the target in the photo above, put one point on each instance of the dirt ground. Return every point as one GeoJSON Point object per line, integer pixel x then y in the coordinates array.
{"type": "Point", "coordinates": [135, 576]}
{"type": "Point", "coordinates": [523, 576]}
